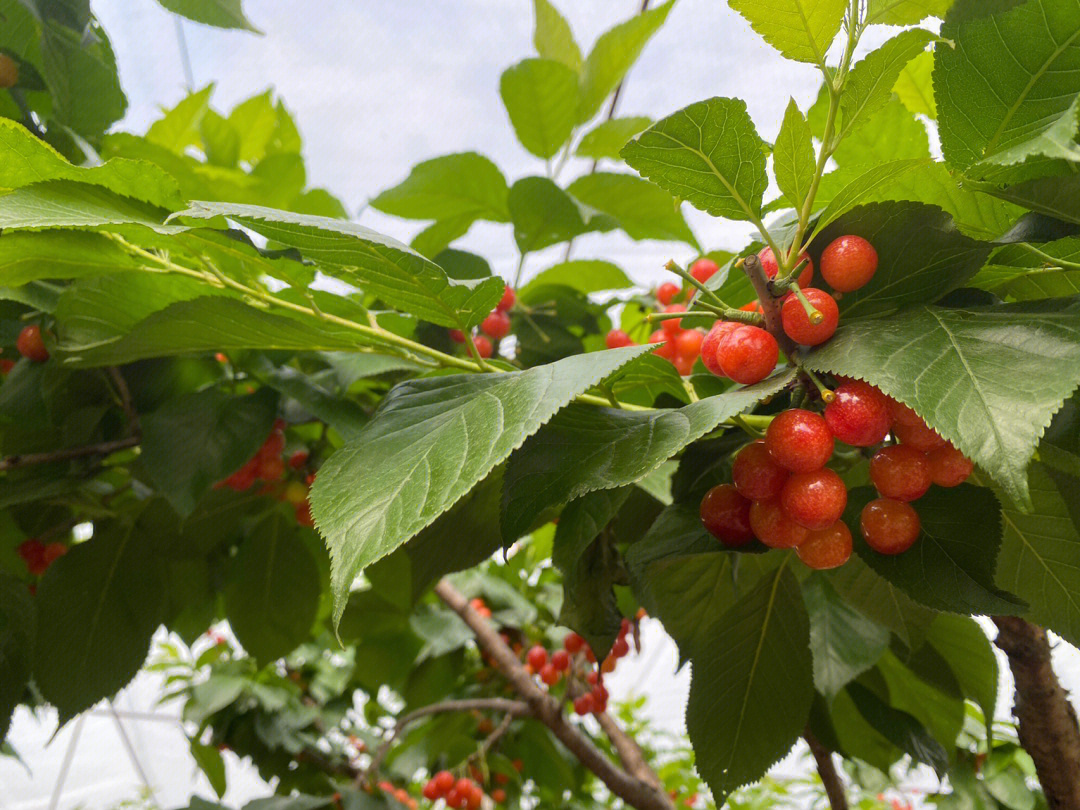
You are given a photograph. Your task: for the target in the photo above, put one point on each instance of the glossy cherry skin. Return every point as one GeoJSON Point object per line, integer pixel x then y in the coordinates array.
{"type": "Point", "coordinates": [666, 292]}
{"type": "Point", "coordinates": [712, 341]}
{"type": "Point", "coordinates": [673, 326]}
{"type": "Point", "coordinates": [31, 345]}
{"type": "Point", "coordinates": [797, 324]}
{"type": "Point", "coordinates": [536, 657]}
{"type": "Point", "coordinates": [848, 263]}
{"type": "Point", "coordinates": [859, 415]}
{"type": "Point", "coordinates": [920, 436]}
{"type": "Point", "coordinates": [725, 514]}
{"type": "Point", "coordinates": [774, 528]}
{"type": "Point", "coordinates": [507, 300]}
{"type": "Point", "coordinates": [815, 499]}
{"type": "Point", "coordinates": [617, 338]}
{"type": "Point", "coordinates": [826, 548]}
{"type": "Point", "coordinates": [948, 466]}
{"type": "Point", "coordinates": [667, 350]}
{"type": "Point", "coordinates": [688, 343]}
{"type": "Point", "coordinates": [771, 268]}
{"type": "Point", "coordinates": [900, 472]}
{"type": "Point", "coordinates": [748, 354]}
{"type": "Point", "coordinates": [496, 325]}
{"type": "Point", "coordinates": [703, 269]}
{"type": "Point", "coordinates": [902, 414]}
{"type": "Point", "coordinates": [890, 526]}
{"type": "Point", "coordinates": [799, 440]}
{"type": "Point", "coordinates": [483, 346]}
{"type": "Point", "coordinates": [755, 475]}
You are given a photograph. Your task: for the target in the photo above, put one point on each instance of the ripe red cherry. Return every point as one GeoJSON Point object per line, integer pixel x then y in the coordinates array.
{"type": "Point", "coordinates": [948, 466]}
{"type": "Point", "coordinates": [498, 795]}
{"type": "Point", "coordinates": [536, 657]}
{"type": "Point", "coordinates": [483, 346]}
{"type": "Point", "coordinates": [848, 263]}
{"type": "Point", "coordinates": [890, 526]}
{"type": "Point", "coordinates": [797, 324]}
{"type": "Point", "coordinates": [712, 341]}
{"type": "Point", "coordinates": [688, 343]}
{"type": "Point", "coordinates": [920, 436]}
{"type": "Point", "coordinates": [431, 791]}
{"type": "Point", "coordinates": [560, 659]}
{"type": "Point", "coordinates": [444, 781]}
{"type": "Point", "coordinates": [901, 414]}
{"type": "Point", "coordinates": [725, 514]}
{"type": "Point", "coordinates": [496, 325]}
{"type": "Point", "coordinates": [573, 643]}
{"type": "Point", "coordinates": [456, 335]}
{"type": "Point", "coordinates": [667, 351]}
{"type": "Point", "coordinates": [815, 499]}
{"type": "Point", "coordinates": [549, 675]}
{"type": "Point", "coordinates": [900, 472]}
{"type": "Point", "coordinates": [584, 704]}
{"type": "Point", "coordinates": [455, 799]}
{"type": "Point", "coordinates": [703, 269]}
{"type": "Point", "coordinates": [617, 338]}
{"type": "Point", "coordinates": [799, 440]}
{"type": "Point", "coordinates": [683, 364]}
{"type": "Point", "coordinates": [771, 268]}
{"type": "Point", "coordinates": [859, 415]}
{"type": "Point", "coordinates": [507, 300]}
{"type": "Point", "coordinates": [755, 475]}
{"type": "Point", "coordinates": [674, 326]}
{"type": "Point", "coordinates": [748, 354]}
{"type": "Point", "coordinates": [773, 528]}
{"type": "Point", "coordinates": [666, 292]}
{"type": "Point", "coordinates": [826, 548]}
{"type": "Point", "coordinates": [30, 344]}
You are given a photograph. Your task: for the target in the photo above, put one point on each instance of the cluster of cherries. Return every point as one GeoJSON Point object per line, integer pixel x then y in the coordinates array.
{"type": "Point", "coordinates": [460, 792]}
{"type": "Point", "coordinates": [269, 466]}
{"type": "Point", "coordinates": [494, 327]}
{"type": "Point", "coordinates": [783, 494]}
{"type": "Point", "coordinates": [39, 556]}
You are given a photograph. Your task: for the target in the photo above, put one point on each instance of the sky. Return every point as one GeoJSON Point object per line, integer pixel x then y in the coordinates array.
{"type": "Point", "coordinates": [377, 86]}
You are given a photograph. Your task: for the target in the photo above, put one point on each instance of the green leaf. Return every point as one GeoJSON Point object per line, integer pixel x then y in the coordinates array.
{"type": "Point", "coordinates": [541, 98]}
{"type": "Point", "coordinates": [543, 214]}
{"type": "Point", "coordinates": [81, 75]}
{"type": "Point", "coordinates": [915, 86]}
{"type": "Point", "coordinates": [98, 606]}
{"type": "Point", "coordinates": [613, 55]}
{"type": "Point", "coordinates": [465, 184]}
{"type": "Point", "coordinates": [344, 415]}
{"type": "Point", "coordinates": [863, 187]}
{"type": "Point", "coordinates": [17, 631]}
{"type": "Point", "coordinates": [1055, 196]}
{"type": "Point", "coordinates": [68, 204]}
{"type": "Point", "coordinates": [552, 36]}
{"type": "Point", "coordinates": [430, 443]}
{"type": "Point", "coordinates": [994, 111]}
{"type": "Point", "coordinates": [26, 257]}
{"type": "Point", "coordinates": [708, 154]}
{"type": "Point", "coordinates": [905, 12]}
{"type": "Point", "coordinates": [210, 762]}
{"type": "Point", "coordinates": [221, 144]}
{"type": "Point", "coordinates": [179, 127]}
{"type": "Point", "coordinates": [641, 209]}
{"type": "Point", "coordinates": [583, 275]}
{"type": "Point", "coordinates": [389, 269]}
{"type": "Point", "coordinates": [951, 565]}
{"type": "Point", "coordinates": [939, 710]}
{"type": "Point", "coordinates": [752, 687]}
{"type": "Point", "coordinates": [899, 728]}
{"type": "Point", "coordinates": [272, 595]}
{"type": "Point", "coordinates": [964, 646]}
{"type": "Point", "coordinates": [881, 601]}
{"type": "Point", "coordinates": [219, 13]}
{"type": "Point", "coordinates": [800, 29]}
{"type": "Point", "coordinates": [196, 440]}
{"type": "Point", "coordinates": [607, 138]}
{"type": "Point", "coordinates": [1024, 273]}
{"type": "Point", "coordinates": [960, 370]}
{"type": "Point", "coordinates": [793, 156]}
{"type": "Point", "coordinates": [585, 448]}
{"type": "Point", "coordinates": [844, 641]}
{"type": "Point", "coordinates": [870, 84]}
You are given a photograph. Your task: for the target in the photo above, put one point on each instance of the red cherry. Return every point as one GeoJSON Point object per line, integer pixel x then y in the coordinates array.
{"type": "Point", "coordinates": [617, 338]}
{"type": "Point", "coordinates": [799, 440]}
{"type": "Point", "coordinates": [560, 659]}
{"type": "Point", "coordinates": [483, 346]}
{"type": "Point", "coordinates": [536, 657]}
{"type": "Point", "coordinates": [683, 364]}
{"type": "Point", "coordinates": [771, 268]}
{"type": "Point", "coordinates": [712, 341]}
{"type": "Point", "coordinates": [444, 781]}
{"type": "Point", "coordinates": [848, 263]}
{"type": "Point", "coordinates": [948, 466]}
{"type": "Point", "coordinates": [621, 647]}
{"type": "Point", "coordinates": [6, 365]}
{"type": "Point", "coordinates": [901, 472]}
{"type": "Point", "coordinates": [726, 516]}
{"type": "Point", "coordinates": [498, 795]}
{"type": "Point", "coordinates": [890, 526]}
{"type": "Point", "coordinates": [666, 292]}
{"type": "Point", "coordinates": [901, 414]}
{"type": "Point", "coordinates": [31, 345]}
{"type": "Point", "coordinates": [919, 436]}
{"type": "Point", "coordinates": [674, 326]}
{"type": "Point", "coordinates": [584, 704]}
{"type": "Point", "coordinates": [667, 351]}
{"type": "Point", "coordinates": [703, 269]}
{"type": "Point", "coordinates": [271, 469]}
{"type": "Point", "coordinates": [815, 499]}
{"type": "Point", "coordinates": [431, 791]}
{"type": "Point", "coordinates": [454, 798]}
{"type": "Point", "coordinates": [496, 325]}
{"type": "Point", "coordinates": [507, 300]}
{"type": "Point", "coordinates": [456, 335]}
{"type": "Point", "coordinates": [753, 306]}
{"type": "Point", "coordinates": [688, 343]}
{"type": "Point", "coordinates": [773, 528]}
{"type": "Point", "coordinates": [748, 354]}
{"type": "Point", "coordinates": [797, 324]}
{"type": "Point", "coordinates": [826, 548]}
{"type": "Point", "coordinates": [573, 643]}
{"type": "Point", "coordinates": [273, 445]}
{"type": "Point", "coordinates": [859, 415]}
{"type": "Point", "coordinates": [303, 514]}
{"type": "Point", "coordinates": [549, 675]}
{"type": "Point", "coordinates": [53, 552]}
{"type": "Point", "coordinates": [755, 475]}
{"type": "Point", "coordinates": [476, 798]}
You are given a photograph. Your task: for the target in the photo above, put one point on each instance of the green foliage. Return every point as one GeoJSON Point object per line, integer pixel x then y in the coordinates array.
{"type": "Point", "coordinates": [220, 13]}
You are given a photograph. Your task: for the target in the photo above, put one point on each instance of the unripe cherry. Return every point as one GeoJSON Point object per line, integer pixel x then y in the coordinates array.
{"type": "Point", "coordinates": [900, 472]}
{"type": "Point", "coordinates": [672, 327]}
{"type": "Point", "coordinates": [712, 341]}
{"type": "Point", "coordinates": [496, 325]}
{"type": "Point", "coordinates": [948, 466]}
{"type": "Point", "coordinates": [703, 269]}
{"type": "Point", "coordinates": [748, 354]}
{"type": "Point", "coordinates": [666, 292]}
{"type": "Point", "coordinates": [859, 415]}
{"type": "Point", "coordinates": [617, 338]}
{"type": "Point", "coordinates": [774, 528]}
{"type": "Point", "coordinates": [920, 436]}
{"type": "Point", "coordinates": [848, 263]}
{"type": "Point", "coordinates": [725, 514]}
{"type": "Point", "coordinates": [507, 300]}
{"type": "Point", "coordinates": [797, 325]}
{"type": "Point", "coordinates": [815, 499]}
{"type": "Point", "coordinates": [826, 548]}
{"type": "Point", "coordinates": [755, 475]}
{"type": "Point", "coordinates": [890, 526]}
{"type": "Point", "coordinates": [799, 440]}
{"type": "Point", "coordinates": [771, 267]}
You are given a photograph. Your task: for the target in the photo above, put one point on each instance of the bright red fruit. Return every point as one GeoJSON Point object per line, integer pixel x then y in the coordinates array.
{"type": "Point", "coordinates": [617, 338]}
{"type": "Point", "coordinates": [667, 351]}
{"type": "Point", "coordinates": [573, 643]}
{"type": "Point", "coordinates": [298, 459]}
{"type": "Point", "coordinates": [444, 780]}
{"type": "Point", "coordinates": [755, 475]}
{"type": "Point", "coordinates": [498, 795]}
{"type": "Point", "coordinates": [799, 440]}
{"type": "Point", "coordinates": [666, 292]}
{"type": "Point", "coordinates": [848, 263]}
{"type": "Point", "coordinates": [560, 659]}
{"type": "Point", "coordinates": [688, 343]}
{"type": "Point", "coordinates": [621, 647]}
{"type": "Point", "coordinates": [815, 499]}
{"type": "Point", "coordinates": [901, 472]}
{"type": "Point", "coordinates": [456, 335]}
{"type": "Point", "coordinates": [584, 704]}
{"type": "Point", "coordinates": [902, 414]}
{"type": "Point", "coordinates": [890, 526]}
{"type": "Point", "coordinates": [496, 325]}
{"type": "Point", "coordinates": [859, 415]}
{"type": "Point", "coordinates": [673, 326]}
{"type": "Point", "coordinates": [454, 798]}
{"type": "Point", "coordinates": [31, 345]}
{"type": "Point", "coordinates": [549, 675]}
{"type": "Point", "coordinates": [483, 346]}
{"type": "Point", "coordinates": [797, 324]}
{"type": "Point", "coordinates": [712, 341]}
{"type": "Point", "coordinates": [826, 548]}
{"type": "Point", "coordinates": [507, 300]}
{"type": "Point", "coordinates": [431, 791]}
{"type": "Point", "coordinates": [748, 354]}
{"type": "Point", "coordinates": [703, 269]}
{"type": "Point", "coordinates": [948, 466]}
{"type": "Point", "coordinates": [920, 436]}
{"type": "Point", "coordinates": [725, 514]}
{"type": "Point", "coordinates": [683, 364]}
{"type": "Point", "coordinates": [774, 528]}
{"type": "Point", "coordinates": [769, 264]}
{"type": "Point", "coordinates": [536, 657]}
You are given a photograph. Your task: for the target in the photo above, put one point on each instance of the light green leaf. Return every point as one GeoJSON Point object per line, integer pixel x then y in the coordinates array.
{"type": "Point", "coordinates": [708, 154]}
{"type": "Point", "coordinates": [179, 127]}
{"type": "Point", "coordinates": [870, 84]}
{"type": "Point", "coordinates": [26, 257]}
{"type": "Point", "coordinates": [905, 12]}
{"type": "Point", "coordinates": [552, 36]}
{"type": "Point", "coordinates": [915, 86]}
{"type": "Point", "coordinates": [67, 204]}
{"type": "Point", "coordinates": [583, 275]}
{"type": "Point", "coordinates": [642, 210]}
{"type": "Point", "coordinates": [430, 443]}
{"type": "Point", "coordinates": [793, 156]}
{"type": "Point", "coordinates": [799, 29]}
{"type": "Point", "coordinates": [541, 98]}
{"type": "Point", "coordinates": [1024, 272]}
{"type": "Point", "coordinates": [448, 186]}
{"type": "Point", "coordinates": [607, 138]}
{"type": "Point", "coordinates": [219, 13]}
{"type": "Point", "coordinates": [863, 187]}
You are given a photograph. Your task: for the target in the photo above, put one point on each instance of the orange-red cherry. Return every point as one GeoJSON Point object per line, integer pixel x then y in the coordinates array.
{"type": "Point", "coordinates": [890, 526]}
{"type": "Point", "coordinates": [826, 548]}
{"type": "Point", "coordinates": [725, 514]}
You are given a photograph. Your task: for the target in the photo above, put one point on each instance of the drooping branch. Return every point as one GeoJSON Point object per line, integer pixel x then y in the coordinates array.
{"type": "Point", "coordinates": [834, 787]}
{"type": "Point", "coordinates": [644, 794]}
{"type": "Point", "coordinates": [1046, 720]}
{"type": "Point", "coordinates": [68, 453]}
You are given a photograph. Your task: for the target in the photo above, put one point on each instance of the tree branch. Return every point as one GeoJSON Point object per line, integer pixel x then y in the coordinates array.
{"type": "Point", "coordinates": [99, 449]}
{"type": "Point", "coordinates": [630, 753]}
{"type": "Point", "coordinates": [633, 790]}
{"type": "Point", "coordinates": [1046, 720]}
{"type": "Point", "coordinates": [770, 304]}
{"type": "Point", "coordinates": [834, 787]}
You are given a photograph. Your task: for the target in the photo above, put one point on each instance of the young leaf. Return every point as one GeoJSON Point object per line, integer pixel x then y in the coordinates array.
{"type": "Point", "coordinates": [541, 98]}
{"type": "Point", "coordinates": [871, 82]}
{"type": "Point", "coordinates": [552, 36]}
{"type": "Point", "coordinates": [179, 127]}
{"type": "Point", "coordinates": [863, 187]}
{"type": "Point", "coordinates": [915, 86]}
{"type": "Point", "coordinates": [988, 379]}
{"type": "Point", "coordinates": [448, 186]}
{"type": "Point", "coordinates": [219, 13]}
{"type": "Point", "coordinates": [641, 209]}
{"type": "Point", "coordinates": [793, 156]}
{"type": "Point", "coordinates": [708, 154]}
{"type": "Point", "coordinates": [607, 138]}
{"type": "Point", "coordinates": [430, 443]}
{"type": "Point", "coordinates": [905, 12]}
{"type": "Point", "coordinates": [799, 29]}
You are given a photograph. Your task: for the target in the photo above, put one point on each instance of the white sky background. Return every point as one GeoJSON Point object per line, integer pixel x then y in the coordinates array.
{"type": "Point", "coordinates": [377, 86]}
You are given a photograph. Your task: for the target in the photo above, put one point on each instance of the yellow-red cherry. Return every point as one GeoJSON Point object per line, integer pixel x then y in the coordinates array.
{"type": "Point", "coordinates": [948, 466]}
{"type": "Point", "coordinates": [796, 322]}
{"type": "Point", "coordinates": [901, 472]}
{"type": "Point", "coordinates": [826, 548]}
{"type": "Point", "coordinates": [815, 499]}
{"type": "Point", "coordinates": [859, 415]}
{"type": "Point", "coordinates": [755, 475]}
{"type": "Point", "coordinates": [774, 528]}
{"type": "Point", "coordinates": [890, 526]}
{"type": "Point", "coordinates": [748, 354]}
{"type": "Point", "coordinates": [799, 440]}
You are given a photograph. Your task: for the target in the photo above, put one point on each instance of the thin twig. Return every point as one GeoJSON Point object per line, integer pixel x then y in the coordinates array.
{"type": "Point", "coordinates": [834, 787]}
{"type": "Point", "coordinates": [99, 449]}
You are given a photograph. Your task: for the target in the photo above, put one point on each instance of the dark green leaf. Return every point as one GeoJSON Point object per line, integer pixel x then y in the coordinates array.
{"type": "Point", "coordinates": [17, 632]}
{"type": "Point", "coordinates": [899, 728]}
{"type": "Point", "coordinates": [210, 762]}
{"type": "Point", "coordinates": [81, 75]}
{"type": "Point", "coordinates": [961, 642]}
{"type": "Point", "coordinates": [880, 600]}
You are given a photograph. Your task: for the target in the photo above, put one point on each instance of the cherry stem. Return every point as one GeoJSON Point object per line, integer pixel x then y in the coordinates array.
{"type": "Point", "coordinates": [687, 277]}
{"type": "Point", "coordinates": [812, 312]}
{"type": "Point", "coordinates": [826, 393]}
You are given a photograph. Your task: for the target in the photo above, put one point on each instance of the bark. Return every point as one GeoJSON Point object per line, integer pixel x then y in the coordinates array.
{"type": "Point", "coordinates": [834, 787]}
